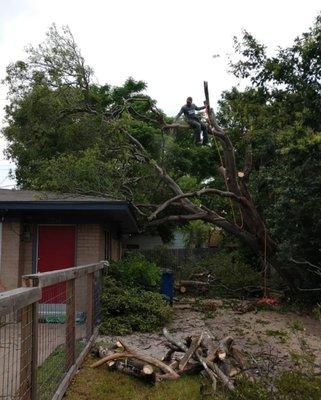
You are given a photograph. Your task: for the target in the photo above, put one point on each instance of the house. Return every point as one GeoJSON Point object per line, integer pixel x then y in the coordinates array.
{"type": "Point", "coordinates": [150, 242]}
{"type": "Point", "coordinates": [41, 232]}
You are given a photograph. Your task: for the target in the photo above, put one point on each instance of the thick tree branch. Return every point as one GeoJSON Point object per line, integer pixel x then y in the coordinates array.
{"type": "Point", "coordinates": [177, 218]}
{"type": "Point", "coordinates": [197, 193]}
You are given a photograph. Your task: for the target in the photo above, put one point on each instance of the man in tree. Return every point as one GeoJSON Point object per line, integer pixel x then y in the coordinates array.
{"type": "Point", "coordinates": [194, 121]}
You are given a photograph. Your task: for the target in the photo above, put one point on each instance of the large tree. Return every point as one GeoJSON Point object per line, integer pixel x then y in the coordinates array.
{"type": "Point", "coordinates": [68, 133]}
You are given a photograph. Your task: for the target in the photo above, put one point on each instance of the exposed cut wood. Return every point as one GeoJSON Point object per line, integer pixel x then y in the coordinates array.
{"type": "Point", "coordinates": [135, 368]}
{"type": "Point", "coordinates": [133, 353]}
{"type": "Point", "coordinates": [219, 362]}
{"type": "Point", "coordinates": [196, 341]}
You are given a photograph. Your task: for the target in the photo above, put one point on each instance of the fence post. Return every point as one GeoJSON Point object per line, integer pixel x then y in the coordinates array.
{"type": "Point", "coordinates": [26, 353]}
{"type": "Point", "coordinates": [70, 323]}
{"type": "Point", "coordinates": [34, 342]}
{"type": "Point", "coordinates": [34, 351]}
{"type": "Point", "coordinates": [90, 305]}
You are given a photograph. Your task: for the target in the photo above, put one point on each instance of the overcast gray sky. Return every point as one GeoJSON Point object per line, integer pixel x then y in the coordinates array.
{"type": "Point", "coordinates": [167, 43]}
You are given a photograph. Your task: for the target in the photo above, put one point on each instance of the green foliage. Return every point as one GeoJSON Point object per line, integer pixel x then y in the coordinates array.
{"type": "Point", "coordinates": [133, 270]}
{"type": "Point", "coordinates": [276, 333]}
{"type": "Point", "coordinates": [99, 384]}
{"type": "Point", "coordinates": [317, 311]}
{"type": "Point", "coordinates": [130, 301]}
{"type": "Point", "coordinates": [232, 276]}
{"type": "Point", "coordinates": [297, 326]}
{"type": "Point", "coordinates": [68, 133]}
{"type": "Point", "coordinates": [53, 369]}
{"type": "Point", "coordinates": [233, 261]}
{"type": "Point", "coordinates": [126, 310]}
{"type": "Point", "coordinates": [279, 114]}
{"type": "Point", "coordinates": [247, 390]}
{"type": "Point", "coordinates": [196, 233]}
{"type": "Point", "coordinates": [162, 257]}
{"type": "Point", "coordinates": [295, 385]}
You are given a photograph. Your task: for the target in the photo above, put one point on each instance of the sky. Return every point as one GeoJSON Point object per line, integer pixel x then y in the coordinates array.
{"type": "Point", "coordinates": [169, 44]}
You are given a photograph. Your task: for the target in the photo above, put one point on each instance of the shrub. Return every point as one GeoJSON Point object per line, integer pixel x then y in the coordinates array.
{"type": "Point", "coordinates": [133, 270]}
{"type": "Point", "coordinates": [298, 386]}
{"type": "Point", "coordinates": [247, 390]}
{"type": "Point", "coordinates": [125, 310]}
{"type": "Point", "coordinates": [232, 276]}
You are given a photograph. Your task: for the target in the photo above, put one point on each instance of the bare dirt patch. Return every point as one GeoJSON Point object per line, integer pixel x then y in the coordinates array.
{"type": "Point", "coordinates": [270, 339]}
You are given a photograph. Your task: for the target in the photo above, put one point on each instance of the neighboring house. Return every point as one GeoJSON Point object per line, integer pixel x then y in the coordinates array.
{"type": "Point", "coordinates": [149, 242]}
{"type": "Point", "coordinates": [41, 232]}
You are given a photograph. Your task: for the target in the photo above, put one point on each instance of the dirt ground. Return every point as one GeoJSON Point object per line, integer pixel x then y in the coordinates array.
{"type": "Point", "coordinates": [270, 339]}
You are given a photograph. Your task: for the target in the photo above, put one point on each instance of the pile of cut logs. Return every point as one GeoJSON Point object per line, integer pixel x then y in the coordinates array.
{"type": "Point", "coordinates": [219, 362]}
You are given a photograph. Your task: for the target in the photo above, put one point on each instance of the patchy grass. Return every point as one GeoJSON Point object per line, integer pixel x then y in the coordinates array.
{"type": "Point", "coordinates": [51, 372]}
{"type": "Point", "coordinates": [298, 386]}
{"type": "Point", "coordinates": [262, 321]}
{"type": "Point", "coordinates": [100, 384]}
{"type": "Point", "coordinates": [296, 326]}
{"type": "Point", "coordinates": [276, 333]}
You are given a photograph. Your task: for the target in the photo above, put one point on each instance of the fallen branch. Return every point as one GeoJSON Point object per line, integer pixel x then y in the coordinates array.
{"type": "Point", "coordinates": [196, 341]}
{"type": "Point", "coordinates": [218, 362]}
{"type": "Point", "coordinates": [133, 353]}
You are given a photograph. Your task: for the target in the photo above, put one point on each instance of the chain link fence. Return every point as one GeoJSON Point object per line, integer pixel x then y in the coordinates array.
{"type": "Point", "coordinates": [46, 329]}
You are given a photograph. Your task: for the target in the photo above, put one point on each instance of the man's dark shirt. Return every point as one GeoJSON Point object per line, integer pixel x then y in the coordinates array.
{"type": "Point", "coordinates": [189, 111]}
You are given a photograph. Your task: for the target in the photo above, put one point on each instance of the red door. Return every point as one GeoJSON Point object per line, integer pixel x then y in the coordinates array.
{"type": "Point", "coordinates": [56, 250]}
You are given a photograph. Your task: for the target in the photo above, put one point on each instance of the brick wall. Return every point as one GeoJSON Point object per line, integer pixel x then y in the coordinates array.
{"type": "Point", "coordinates": [10, 255]}
{"type": "Point", "coordinates": [26, 250]}
{"type": "Point", "coordinates": [16, 255]}
{"type": "Point", "coordinates": [90, 249]}
{"type": "Point", "coordinates": [89, 237]}
{"type": "Point", "coordinates": [116, 249]}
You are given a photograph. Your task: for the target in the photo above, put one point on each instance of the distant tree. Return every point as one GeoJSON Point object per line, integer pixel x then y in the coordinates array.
{"type": "Point", "coordinates": [281, 112]}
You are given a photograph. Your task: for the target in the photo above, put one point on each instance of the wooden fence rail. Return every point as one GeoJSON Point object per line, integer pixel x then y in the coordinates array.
{"type": "Point", "coordinates": [46, 329]}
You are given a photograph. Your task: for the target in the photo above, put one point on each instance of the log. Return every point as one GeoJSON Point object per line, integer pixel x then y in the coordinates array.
{"type": "Point", "coordinates": [200, 355]}
{"type": "Point", "coordinates": [173, 347]}
{"type": "Point", "coordinates": [134, 365]}
{"type": "Point", "coordinates": [175, 342]}
{"type": "Point", "coordinates": [133, 353]}
{"type": "Point", "coordinates": [210, 374]}
{"type": "Point", "coordinates": [209, 346]}
{"type": "Point", "coordinates": [238, 356]}
{"type": "Point", "coordinates": [191, 369]}
{"type": "Point", "coordinates": [183, 286]}
{"type": "Point", "coordinates": [135, 368]}
{"type": "Point", "coordinates": [193, 283]}
{"type": "Point", "coordinates": [182, 289]}
{"type": "Point", "coordinates": [216, 371]}
{"type": "Point", "coordinates": [169, 355]}
{"type": "Point", "coordinates": [196, 341]}
{"type": "Point", "coordinates": [222, 350]}
{"type": "Point", "coordinates": [163, 377]}
{"type": "Point", "coordinates": [174, 364]}
{"type": "Point", "coordinates": [222, 377]}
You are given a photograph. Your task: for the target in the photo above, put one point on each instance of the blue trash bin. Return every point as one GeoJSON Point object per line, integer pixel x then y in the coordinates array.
{"type": "Point", "coordinates": [167, 285]}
